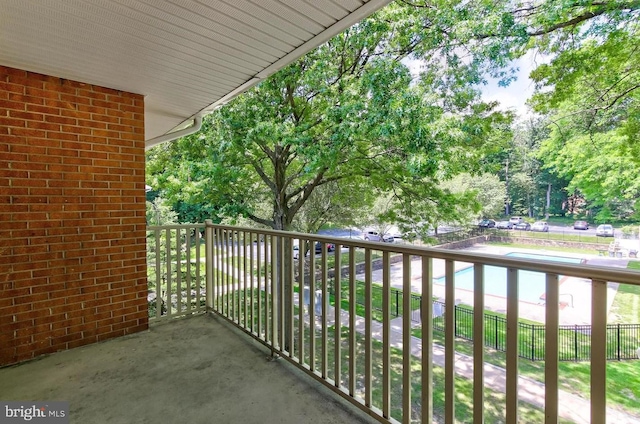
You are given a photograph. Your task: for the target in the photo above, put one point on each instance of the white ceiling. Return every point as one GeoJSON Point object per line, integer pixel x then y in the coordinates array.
{"type": "Point", "coordinates": [184, 56]}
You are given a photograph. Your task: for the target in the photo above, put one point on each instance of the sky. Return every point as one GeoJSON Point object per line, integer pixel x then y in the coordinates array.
{"type": "Point", "coordinates": [514, 95]}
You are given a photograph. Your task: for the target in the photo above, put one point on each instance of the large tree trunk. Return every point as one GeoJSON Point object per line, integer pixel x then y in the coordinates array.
{"type": "Point", "coordinates": [284, 280]}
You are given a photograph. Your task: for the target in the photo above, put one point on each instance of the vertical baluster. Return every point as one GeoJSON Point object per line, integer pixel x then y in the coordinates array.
{"type": "Point", "coordinates": [281, 317]}
{"type": "Point", "coordinates": [267, 287]}
{"type": "Point", "coordinates": [188, 280]}
{"type": "Point", "coordinates": [449, 343]}
{"type": "Point", "coordinates": [598, 351]}
{"type": "Point", "coordinates": [178, 271]}
{"type": "Point", "coordinates": [312, 305]}
{"type": "Point", "coordinates": [237, 285]}
{"type": "Point", "coordinates": [209, 265]}
{"type": "Point", "coordinates": [301, 306]}
{"type": "Point", "coordinates": [159, 294]}
{"type": "Point", "coordinates": [198, 282]}
{"type": "Point", "coordinates": [551, 350]}
{"type": "Point", "coordinates": [228, 280]}
{"type": "Point", "coordinates": [512, 345]}
{"type": "Point", "coordinates": [352, 321]}
{"type": "Point", "coordinates": [169, 279]}
{"type": "Point", "coordinates": [291, 311]}
{"type": "Point", "coordinates": [220, 271]}
{"type": "Point", "coordinates": [252, 287]}
{"type": "Point", "coordinates": [337, 296]}
{"type": "Point", "coordinates": [245, 278]}
{"type": "Point", "coordinates": [274, 291]}
{"type": "Point", "coordinates": [325, 277]}
{"type": "Point", "coordinates": [233, 284]}
{"type": "Point", "coordinates": [406, 338]}
{"type": "Point", "coordinates": [478, 343]}
{"type": "Point", "coordinates": [426, 314]}
{"type": "Point", "coordinates": [259, 283]}
{"type": "Point", "coordinates": [367, 328]}
{"type": "Point", "coordinates": [386, 335]}
{"type": "Point", "coordinates": [217, 268]}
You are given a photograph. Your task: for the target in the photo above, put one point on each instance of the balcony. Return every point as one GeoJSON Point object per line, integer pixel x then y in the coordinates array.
{"type": "Point", "coordinates": [268, 336]}
{"type": "Point", "coordinates": [192, 370]}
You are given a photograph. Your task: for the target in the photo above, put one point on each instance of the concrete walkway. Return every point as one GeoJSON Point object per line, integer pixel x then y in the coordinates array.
{"type": "Point", "coordinates": [571, 407]}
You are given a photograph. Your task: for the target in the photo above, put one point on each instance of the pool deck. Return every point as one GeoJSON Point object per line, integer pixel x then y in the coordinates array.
{"type": "Point", "coordinates": [575, 293]}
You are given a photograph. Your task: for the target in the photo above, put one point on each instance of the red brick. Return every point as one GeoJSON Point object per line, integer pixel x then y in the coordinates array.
{"type": "Point", "coordinates": [73, 204]}
{"type": "Point", "coordinates": [47, 126]}
{"type": "Point", "coordinates": [38, 91]}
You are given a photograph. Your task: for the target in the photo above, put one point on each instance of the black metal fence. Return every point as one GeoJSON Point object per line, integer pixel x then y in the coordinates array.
{"type": "Point", "coordinates": [574, 341]}
{"type": "Point", "coordinates": [396, 296]}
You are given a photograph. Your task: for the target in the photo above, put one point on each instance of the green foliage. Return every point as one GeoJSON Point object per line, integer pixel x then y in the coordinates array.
{"type": "Point", "coordinates": [348, 118]}
{"type": "Point", "coordinates": [487, 190]}
{"type": "Point", "coordinates": [341, 126]}
{"type": "Point", "coordinates": [159, 212]}
{"type": "Point", "coordinates": [596, 165]}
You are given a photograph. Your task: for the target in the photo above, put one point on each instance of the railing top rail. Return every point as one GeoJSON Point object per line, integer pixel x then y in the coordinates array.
{"type": "Point", "coordinates": [574, 270]}
{"type": "Point", "coordinates": [174, 226]}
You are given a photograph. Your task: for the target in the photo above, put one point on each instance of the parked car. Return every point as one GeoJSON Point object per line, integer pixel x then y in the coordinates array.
{"type": "Point", "coordinates": [372, 235]}
{"type": "Point", "coordinates": [523, 226]}
{"type": "Point", "coordinates": [515, 220]}
{"type": "Point", "coordinates": [318, 248]}
{"type": "Point", "coordinates": [505, 225]}
{"type": "Point", "coordinates": [581, 225]}
{"type": "Point", "coordinates": [487, 223]}
{"type": "Point", "coordinates": [330, 247]}
{"type": "Point", "coordinates": [604, 230]}
{"type": "Point", "coordinates": [540, 226]}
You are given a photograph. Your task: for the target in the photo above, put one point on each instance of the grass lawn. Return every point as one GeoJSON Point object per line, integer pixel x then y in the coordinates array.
{"type": "Point", "coordinates": [567, 236]}
{"type": "Point", "coordinates": [623, 377]}
{"type": "Point", "coordinates": [626, 304]}
{"type": "Point", "coordinates": [494, 401]}
{"type": "Point", "coordinates": [535, 247]}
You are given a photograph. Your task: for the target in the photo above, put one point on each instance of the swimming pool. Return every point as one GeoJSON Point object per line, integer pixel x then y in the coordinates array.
{"type": "Point", "coordinates": [531, 285]}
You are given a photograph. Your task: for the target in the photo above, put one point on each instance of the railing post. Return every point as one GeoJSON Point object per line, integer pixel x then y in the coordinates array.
{"type": "Point", "coordinates": [478, 343]}
{"type": "Point", "coordinates": [208, 255]}
{"type": "Point", "coordinates": [552, 318]}
{"type": "Point", "coordinates": [512, 346]}
{"type": "Point", "coordinates": [449, 343]}
{"type": "Point", "coordinates": [598, 351]}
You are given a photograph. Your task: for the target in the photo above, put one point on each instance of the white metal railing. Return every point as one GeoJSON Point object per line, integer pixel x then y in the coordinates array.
{"type": "Point", "coordinates": [175, 270]}
{"type": "Point", "coordinates": [253, 280]}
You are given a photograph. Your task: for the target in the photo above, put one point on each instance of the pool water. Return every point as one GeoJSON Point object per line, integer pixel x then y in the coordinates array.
{"type": "Point", "coordinates": [531, 285]}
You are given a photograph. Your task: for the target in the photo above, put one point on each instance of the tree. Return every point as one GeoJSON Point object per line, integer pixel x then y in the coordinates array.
{"type": "Point", "coordinates": [488, 191]}
{"type": "Point", "coordinates": [345, 113]}
{"type": "Point", "coordinates": [598, 165]}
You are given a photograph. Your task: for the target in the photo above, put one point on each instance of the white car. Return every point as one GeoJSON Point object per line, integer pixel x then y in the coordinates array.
{"type": "Point", "coordinates": [371, 235]}
{"type": "Point", "coordinates": [540, 226]}
{"type": "Point", "coordinates": [604, 230]}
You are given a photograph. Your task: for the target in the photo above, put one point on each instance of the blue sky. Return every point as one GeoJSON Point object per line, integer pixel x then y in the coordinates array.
{"type": "Point", "coordinates": [513, 96]}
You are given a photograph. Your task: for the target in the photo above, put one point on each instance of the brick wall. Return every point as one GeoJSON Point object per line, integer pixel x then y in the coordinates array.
{"type": "Point", "coordinates": [72, 214]}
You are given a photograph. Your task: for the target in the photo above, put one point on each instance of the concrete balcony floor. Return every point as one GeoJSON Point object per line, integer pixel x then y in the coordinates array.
{"type": "Point", "coordinates": [193, 370]}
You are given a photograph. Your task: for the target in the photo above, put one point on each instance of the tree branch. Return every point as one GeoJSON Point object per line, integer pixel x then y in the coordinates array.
{"type": "Point", "coordinates": [259, 220]}
{"type": "Point", "coordinates": [603, 8]}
